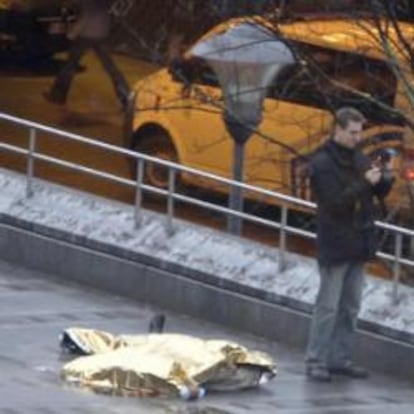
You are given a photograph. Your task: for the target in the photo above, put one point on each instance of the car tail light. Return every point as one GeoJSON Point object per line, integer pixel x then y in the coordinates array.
{"type": "Point", "coordinates": [408, 165]}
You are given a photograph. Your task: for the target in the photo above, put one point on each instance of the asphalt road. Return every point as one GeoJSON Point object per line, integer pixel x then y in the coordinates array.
{"type": "Point", "coordinates": [92, 110]}
{"type": "Point", "coordinates": [35, 308]}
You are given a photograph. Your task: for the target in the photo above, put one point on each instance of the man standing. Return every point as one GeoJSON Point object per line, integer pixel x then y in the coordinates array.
{"type": "Point", "coordinates": [91, 31]}
{"type": "Point", "coordinates": [344, 182]}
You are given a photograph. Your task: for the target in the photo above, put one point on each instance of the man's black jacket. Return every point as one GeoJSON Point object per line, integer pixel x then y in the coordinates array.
{"type": "Point", "coordinates": [345, 214]}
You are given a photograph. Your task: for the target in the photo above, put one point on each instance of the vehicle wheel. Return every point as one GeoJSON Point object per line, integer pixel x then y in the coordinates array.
{"type": "Point", "coordinates": [159, 146]}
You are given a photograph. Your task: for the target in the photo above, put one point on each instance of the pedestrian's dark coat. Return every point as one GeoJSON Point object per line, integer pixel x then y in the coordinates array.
{"type": "Point", "coordinates": [345, 213]}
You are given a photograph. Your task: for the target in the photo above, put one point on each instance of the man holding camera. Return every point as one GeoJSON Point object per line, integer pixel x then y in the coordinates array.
{"type": "Point", "coordinates": [344, 183]}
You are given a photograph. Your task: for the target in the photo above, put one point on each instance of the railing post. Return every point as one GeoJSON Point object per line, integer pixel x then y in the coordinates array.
{"type": "Point", "coordinates": [138, 191]}
{"type": "Point", "coordinates": [30, 163]}
{"type": "Point", "coordinates": [396, 269]}
{"type": "Point", "coordinates": [282, 238]}
{"type": "Point", "coordinates": [170, 200]}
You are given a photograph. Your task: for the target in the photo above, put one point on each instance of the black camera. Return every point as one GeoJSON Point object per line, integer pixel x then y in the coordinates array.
{"type": "Point", "coordinates": [382, 158]}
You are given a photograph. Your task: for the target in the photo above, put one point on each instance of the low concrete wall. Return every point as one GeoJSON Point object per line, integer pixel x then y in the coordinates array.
{"type": "Point", "coordinates": [167, 285]}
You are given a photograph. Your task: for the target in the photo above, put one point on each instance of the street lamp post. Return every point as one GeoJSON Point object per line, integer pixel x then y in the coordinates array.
{"type": "Point", "coordinates": [246, 58]}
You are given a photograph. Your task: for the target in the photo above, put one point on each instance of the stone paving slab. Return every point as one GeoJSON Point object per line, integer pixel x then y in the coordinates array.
{"type": "Point", "coordinates": [36, 307]}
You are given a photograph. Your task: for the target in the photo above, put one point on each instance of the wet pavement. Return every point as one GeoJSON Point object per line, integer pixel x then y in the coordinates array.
{"type": "Point", "coordinates": [35, 308]}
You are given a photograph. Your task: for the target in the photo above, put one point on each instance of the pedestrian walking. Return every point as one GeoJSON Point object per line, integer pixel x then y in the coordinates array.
{"type": "Point", "coordinates": [89, 32]}
{"type": "Point", "coordinates": [344, 183]}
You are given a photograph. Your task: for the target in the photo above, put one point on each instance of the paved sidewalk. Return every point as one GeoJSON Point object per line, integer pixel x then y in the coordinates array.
{"type": "Point", "coordinates": [36, 308]}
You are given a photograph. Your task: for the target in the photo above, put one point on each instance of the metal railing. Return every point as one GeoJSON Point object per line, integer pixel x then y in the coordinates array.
{"type": "Point", "coordinates": [286, 202]}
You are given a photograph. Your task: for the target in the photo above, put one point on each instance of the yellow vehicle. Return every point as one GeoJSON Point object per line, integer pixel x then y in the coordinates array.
{"type": "Point", "coordinates": [178, 113]}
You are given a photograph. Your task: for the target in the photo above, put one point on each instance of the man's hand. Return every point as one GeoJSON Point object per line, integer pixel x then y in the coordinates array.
{"type": "Point", "coordinates": [373, 175]}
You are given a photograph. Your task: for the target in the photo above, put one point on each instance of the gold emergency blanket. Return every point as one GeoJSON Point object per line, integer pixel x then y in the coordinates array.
{"type": "Point", "coordinates": [163, 364]}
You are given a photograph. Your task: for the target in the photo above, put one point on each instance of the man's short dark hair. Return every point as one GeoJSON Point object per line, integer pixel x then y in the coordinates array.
{"type": "Point", "coordinates": [344, 116]}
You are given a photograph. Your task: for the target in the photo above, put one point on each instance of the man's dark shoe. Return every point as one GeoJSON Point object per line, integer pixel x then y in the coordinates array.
{"type": "Point", "coordinates": [351, 371]}
{"type": "Point", "coordinates": [318, 373]}
{"type": "Point", "coordinates": [52, 99]}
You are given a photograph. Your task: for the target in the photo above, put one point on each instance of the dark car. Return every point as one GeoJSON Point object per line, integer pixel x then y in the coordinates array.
{"type": "Point", "coordinates": [32, 29]}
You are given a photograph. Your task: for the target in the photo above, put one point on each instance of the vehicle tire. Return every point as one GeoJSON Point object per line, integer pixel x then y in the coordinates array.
{"type": "Point", "coordinates": [158, 145]}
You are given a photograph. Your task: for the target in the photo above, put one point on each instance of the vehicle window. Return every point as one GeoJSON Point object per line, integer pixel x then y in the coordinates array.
{"type": "Point", "coordinates": [193, 70]}
{"type": "Point", "coordinates": [329, 79]}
